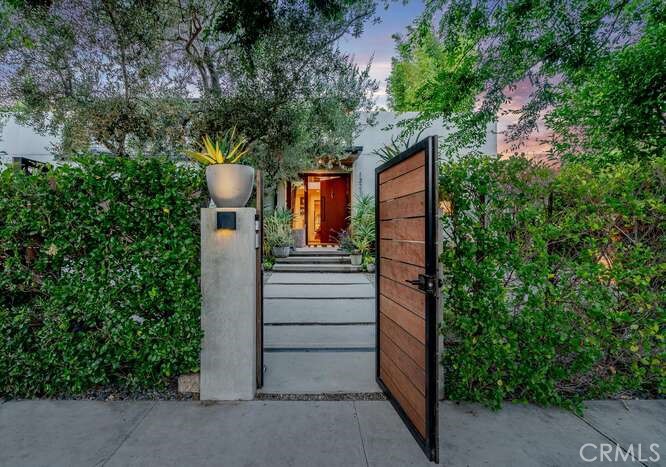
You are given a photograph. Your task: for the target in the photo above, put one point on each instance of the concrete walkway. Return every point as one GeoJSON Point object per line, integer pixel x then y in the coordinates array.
{"type": "Point", "coordinates": [308, 434]}
{"type": "Point", "coordinates": [319, 333]}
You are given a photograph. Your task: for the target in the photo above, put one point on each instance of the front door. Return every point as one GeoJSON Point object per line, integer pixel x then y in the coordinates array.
{"type": "Point", "coordinates": [407, 289]}
{"type": "Point", "coordinates": [334, 207]}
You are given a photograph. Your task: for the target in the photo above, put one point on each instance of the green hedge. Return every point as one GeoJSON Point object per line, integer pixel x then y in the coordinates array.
{"type": "Point", "coordinates": [553, 281]}
{"type": "Point", "coordinates": [99, 270]}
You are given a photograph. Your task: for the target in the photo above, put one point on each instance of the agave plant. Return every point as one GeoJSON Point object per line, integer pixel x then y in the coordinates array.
{"type": "Point", "coordinates": [396, 146]}
{"type": "Point", "coordinates": [226, 150]}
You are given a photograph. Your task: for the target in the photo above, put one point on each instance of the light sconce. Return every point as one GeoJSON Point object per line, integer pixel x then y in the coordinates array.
{"type": "Point", "coordinates": [226, 220]}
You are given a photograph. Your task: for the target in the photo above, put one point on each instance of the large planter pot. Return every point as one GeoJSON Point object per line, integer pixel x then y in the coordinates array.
{"type": "Point", "coordinates": [356, 259]}
{"type": "Point", "coordinates": [281, 251]}
{"type": "Point", "coordinates": [229, 185]}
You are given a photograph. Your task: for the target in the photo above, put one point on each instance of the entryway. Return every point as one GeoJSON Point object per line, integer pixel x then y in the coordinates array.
{"type": "Point", "coordinates": [320, 203]}
{"type": "Point", "coordinates": [319, 325]}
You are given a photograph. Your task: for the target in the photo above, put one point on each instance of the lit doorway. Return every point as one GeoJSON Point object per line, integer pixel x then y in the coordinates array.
{"type": "Point", "coordinates": [321, 206]}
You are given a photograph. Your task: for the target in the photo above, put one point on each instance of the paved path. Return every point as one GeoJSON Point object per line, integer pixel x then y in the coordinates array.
{"type": "Point", "coordinates": [319, 333]}
{"type": "Point", "coordinates": [309, 434]}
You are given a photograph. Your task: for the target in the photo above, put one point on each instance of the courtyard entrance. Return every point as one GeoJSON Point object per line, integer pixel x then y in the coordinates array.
{"type": "Point", "coordinates": [319, 325]}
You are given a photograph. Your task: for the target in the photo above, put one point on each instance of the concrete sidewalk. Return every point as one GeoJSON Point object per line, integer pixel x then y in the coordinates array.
{"type": "Point", "coordinates": [309, 434]}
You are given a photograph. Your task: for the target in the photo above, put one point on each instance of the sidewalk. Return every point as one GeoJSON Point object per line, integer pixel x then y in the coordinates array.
{"type": "Point", "coordinates": [309, 434]}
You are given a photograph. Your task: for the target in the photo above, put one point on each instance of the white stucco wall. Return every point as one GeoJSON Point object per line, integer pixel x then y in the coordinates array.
{"type": "Point", "coordinates": [22, 141]}
{"type": "Point", "coordinates": [374, 137]}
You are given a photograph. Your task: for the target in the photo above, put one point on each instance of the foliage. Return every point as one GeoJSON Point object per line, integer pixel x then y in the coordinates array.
{"type": "Point", "coordinates": [553, 283]}
{"type": "Point", "coordinates": [227, 150]}
{"type": "Point", "coordinates": [99, 266]}
{"type": "Point", "coordinates": [396, 146]}
{"type": "Point", "coordinates": [277, 230]}
{"type": "Point", "coordinates": [464, 60]}
{"type": "Point", "coordinates": [616, 111]}
{"type": "Point", "coordinates": [346, 243]}
{"type": "Point", "coordinates": [272, 69]}
{"type": "Point", "coordinates": [362, 225]}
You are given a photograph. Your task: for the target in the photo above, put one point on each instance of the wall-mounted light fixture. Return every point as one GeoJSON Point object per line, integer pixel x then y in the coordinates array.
{"type": "Point", "coordinates": [226, 220]}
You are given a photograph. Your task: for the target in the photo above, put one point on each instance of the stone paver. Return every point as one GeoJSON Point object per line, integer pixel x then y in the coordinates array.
{"type": "Point", "coordinates": [310, 291]}
{"type": "Point", "coordinates": [340, 310]}
{"type": "Point", "coordinates": [317, 372]}
{"type": "Point", "coordinates": [300, 433]}
{"type": "Point", "coordinates": [317, 278]}
{"type": "Point", "coordinates": [318, 337]}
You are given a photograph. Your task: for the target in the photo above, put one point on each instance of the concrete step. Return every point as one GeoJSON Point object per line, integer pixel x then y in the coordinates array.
{"type": "Point", "coordinates": [309, 291]}
{"type": "Point", "coordinates": [320, 311]}
{"type": "Point", "coordinates": [319, 372]}
{"type": "Point", "coordinates": [316, 268]}
{"type": "Point", "coordinates": [316, 278]}
{"type": "Point", "coordinates": [315, 337]}
{"type": "Point", "coordinates": [317, 252]}
{"type": "Point", "coordinates": [314, 260]}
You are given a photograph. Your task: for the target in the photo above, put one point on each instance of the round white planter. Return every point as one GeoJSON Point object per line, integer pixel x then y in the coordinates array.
{"type": "Point", "coordinates": [356, 260]}
{"type": "Point", "coordinates": [281, 251]}
{"type": "Point", "coordinates": [229, 185]}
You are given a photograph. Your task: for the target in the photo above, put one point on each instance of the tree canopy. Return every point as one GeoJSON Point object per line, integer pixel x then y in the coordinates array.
{"type": "Point", "coordinates": [153, 77]}
{"type": "Point", "coordinates": [462, 60]}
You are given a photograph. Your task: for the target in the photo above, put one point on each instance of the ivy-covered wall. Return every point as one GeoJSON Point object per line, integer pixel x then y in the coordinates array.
{"type": "Point", "coordinates": [554, 282]}
{"type": "Point", "coordinates": [99, 270]}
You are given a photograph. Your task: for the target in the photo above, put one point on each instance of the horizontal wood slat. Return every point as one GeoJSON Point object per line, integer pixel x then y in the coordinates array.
{"type": "Point", "coordinates": [408, 206]}
{"type": "Point", "coordinates": [417, 160]}
{"type": "Point", "coordinates": [406, 184]}
{"type": "Point", "coordinates": [406, 252]}
{"type": "Point", "coordinates": [408, 343]}
{"type": "Point", "coordinates": [410, 322]}
{"type": "Point", "coordinates": [415, 374]}
{"type": "Point", "coordinates": [409, 397]}
{"type": "Point", "coordinates": [399, 293]}
{"type": "Point", "coordinates": [403, 229]}
{"type": "Point", "coordinates": [400, 272]}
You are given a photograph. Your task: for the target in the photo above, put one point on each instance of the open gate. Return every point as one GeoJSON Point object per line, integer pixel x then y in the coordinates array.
{"type": "Point", "coordinates": [407, 288]}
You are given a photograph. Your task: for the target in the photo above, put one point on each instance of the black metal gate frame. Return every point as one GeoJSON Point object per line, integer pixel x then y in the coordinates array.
{"type": "Point", "coordinates": [429, 444]}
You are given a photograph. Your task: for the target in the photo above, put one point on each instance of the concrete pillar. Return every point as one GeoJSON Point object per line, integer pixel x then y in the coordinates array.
{"type": "Point", "coordinates": [228, 281]}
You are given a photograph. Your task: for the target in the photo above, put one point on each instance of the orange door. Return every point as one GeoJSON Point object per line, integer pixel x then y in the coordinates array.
{"type": "Point", "coordinates": [334, 207]}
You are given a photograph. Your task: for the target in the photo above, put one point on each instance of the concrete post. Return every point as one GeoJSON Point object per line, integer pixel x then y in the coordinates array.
{"type": "Point", "coordinates": [228, 281]}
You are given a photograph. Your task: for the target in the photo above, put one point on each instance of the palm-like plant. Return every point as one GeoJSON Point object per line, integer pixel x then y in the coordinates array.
{"type": "Point", "coordinates": [396, 146]}
{"type": "Point", "coordinates": [226, 150]}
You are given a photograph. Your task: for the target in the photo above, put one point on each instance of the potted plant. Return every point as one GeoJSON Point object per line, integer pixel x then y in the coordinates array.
{"type": "Point", "coordinates": [277, 232]}
{"type": "Point", "coordinates": [229, 184]}
{"type": "Point", "coordinates": [370, 264]}
{"type": "Point", "coordinates": [348, 245]}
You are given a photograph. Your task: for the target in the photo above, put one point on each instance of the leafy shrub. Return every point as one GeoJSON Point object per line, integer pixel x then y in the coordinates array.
{"type": "Point", "coordinates": [277, 230]}
{"type": "Point", "coordinates": [553, 282]}
{"type": "Point", "coordinates": [362, 225]}
{"type": "Point", "coordinates": [99, 270]}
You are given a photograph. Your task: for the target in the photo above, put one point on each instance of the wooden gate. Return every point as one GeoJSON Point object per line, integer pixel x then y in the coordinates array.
{"type": "Point", "coordinates": [407, 287]}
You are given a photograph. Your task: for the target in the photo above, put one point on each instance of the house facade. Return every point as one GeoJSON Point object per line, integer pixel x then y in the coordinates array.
{"type": "Point", "coordinates": [322, 198]}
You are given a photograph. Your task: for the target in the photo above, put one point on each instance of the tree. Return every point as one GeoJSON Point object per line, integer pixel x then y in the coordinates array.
{"type": "Point", "coordinates": [616, 111]}
{"type": "Point", "coordinates": [478, 51]}
{"type": "Point", "coordinates": [156, 76]}
{"type": "Point", "coordinates": [96, 72]}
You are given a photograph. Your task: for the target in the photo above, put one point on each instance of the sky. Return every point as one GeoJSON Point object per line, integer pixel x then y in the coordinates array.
{"type": "Point", "coordinates": [377, 44]}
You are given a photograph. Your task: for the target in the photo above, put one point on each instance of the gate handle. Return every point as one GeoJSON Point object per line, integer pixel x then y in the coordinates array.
{"type": "Point", "coordinates": [425, 283]}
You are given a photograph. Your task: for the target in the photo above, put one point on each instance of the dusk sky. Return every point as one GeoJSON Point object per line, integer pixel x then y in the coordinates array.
{"type": "Point", "coordinates": [376, 43]}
